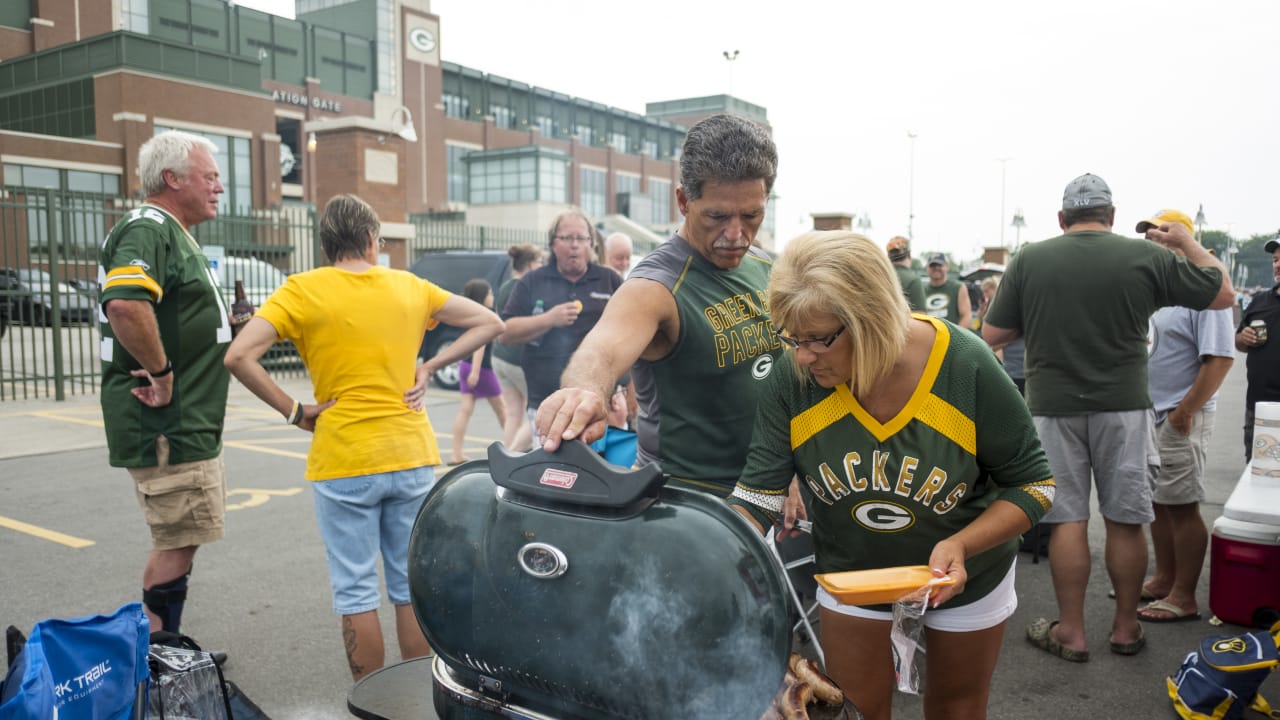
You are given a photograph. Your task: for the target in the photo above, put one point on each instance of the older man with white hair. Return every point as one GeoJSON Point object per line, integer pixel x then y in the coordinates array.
{"type": "Point", "coordinates": [617, 253]}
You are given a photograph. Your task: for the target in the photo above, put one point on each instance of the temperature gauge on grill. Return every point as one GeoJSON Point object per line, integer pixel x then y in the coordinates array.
{"type": "Point", "coordinates": [543, 561]}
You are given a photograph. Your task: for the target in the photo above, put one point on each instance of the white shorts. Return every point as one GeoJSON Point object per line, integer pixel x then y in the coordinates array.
{"type": "Point", "coordinates": [993, 609]}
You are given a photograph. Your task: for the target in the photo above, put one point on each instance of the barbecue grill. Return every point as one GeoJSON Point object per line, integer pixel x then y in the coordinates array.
{"type": "Point", "coordinates": [553, 586]}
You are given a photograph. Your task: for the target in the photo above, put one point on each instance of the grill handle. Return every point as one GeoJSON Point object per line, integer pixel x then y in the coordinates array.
{"type": "Point", "coordinates": [573, 474]}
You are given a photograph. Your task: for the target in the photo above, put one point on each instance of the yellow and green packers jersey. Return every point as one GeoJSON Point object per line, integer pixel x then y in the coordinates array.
{"type": "Point", "coordinates": [149, 256]}
{"type": "Point", "coordinates": [883, 494]}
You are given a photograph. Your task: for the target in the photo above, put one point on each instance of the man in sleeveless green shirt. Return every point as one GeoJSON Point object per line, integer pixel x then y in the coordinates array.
{"type": "Point", "coordinates": [946, 298]}
{"type": "Point", "coordinates": [693, 319]}
{"type": "Point", "coordinates": [165, 329]}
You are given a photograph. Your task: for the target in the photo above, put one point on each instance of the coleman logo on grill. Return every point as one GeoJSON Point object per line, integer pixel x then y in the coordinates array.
{"type": "Point", "coordinates": [558, 478]}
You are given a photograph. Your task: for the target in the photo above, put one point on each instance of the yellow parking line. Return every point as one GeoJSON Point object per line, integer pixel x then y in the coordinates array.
{"type": "Point", "coordinates": [265, 450]}
{"type": "Point", "coordinates": [45, 534]}
{"type": "Point", "coordinates": [66, 418]}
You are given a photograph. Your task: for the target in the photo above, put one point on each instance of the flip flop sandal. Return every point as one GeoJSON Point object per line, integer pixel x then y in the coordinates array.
{"type": "Point", "coordinates": [1175, 613]}
{"type": "Point", "coordinates": [1130, 648]}
{"type": "Point", "coordinates": [1039, 633]}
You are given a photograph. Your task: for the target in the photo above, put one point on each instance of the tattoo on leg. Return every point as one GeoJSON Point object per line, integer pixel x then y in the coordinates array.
{"type": "Point", "coordinates": [349, 644]}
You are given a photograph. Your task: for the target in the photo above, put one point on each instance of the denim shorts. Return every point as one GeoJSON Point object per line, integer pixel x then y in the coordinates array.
{"type": "Point", "coordinates": [360, 517]}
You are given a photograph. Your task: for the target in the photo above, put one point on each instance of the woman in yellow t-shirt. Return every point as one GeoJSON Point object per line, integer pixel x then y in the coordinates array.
{"type": "Point", "coordinates": [357, 327]}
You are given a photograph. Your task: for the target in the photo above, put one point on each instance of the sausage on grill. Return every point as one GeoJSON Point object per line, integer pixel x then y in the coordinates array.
{"type": "Point", "coordinates": [824, 688]}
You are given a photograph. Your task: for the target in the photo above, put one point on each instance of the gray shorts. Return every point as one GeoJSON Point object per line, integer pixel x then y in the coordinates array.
{"type": "Point", "coordinates": [511, 375]}
{"type": "Point", "coordinates": [1114, 450]}
{"type": "Point", "coordinates": [1182, 459]}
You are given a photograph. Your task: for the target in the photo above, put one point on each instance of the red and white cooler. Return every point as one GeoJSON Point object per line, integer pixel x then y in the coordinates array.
{"type": "Point", "coordinates": [1244, 559]}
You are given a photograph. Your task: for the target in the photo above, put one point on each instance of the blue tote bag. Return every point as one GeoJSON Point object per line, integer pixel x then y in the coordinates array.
{"type": "Point", "coordinates": [88, 668]}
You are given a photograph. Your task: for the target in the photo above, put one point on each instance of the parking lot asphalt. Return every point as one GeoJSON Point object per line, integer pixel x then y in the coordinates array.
{"type": "Point", "coordinates": [262, 593]}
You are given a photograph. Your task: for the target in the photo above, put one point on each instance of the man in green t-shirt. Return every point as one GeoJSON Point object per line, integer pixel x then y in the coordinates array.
{"type": "Point", "coordinates": [946, 298]}
{"type": "Point", "coordinates": [165, 329]}
{"type": "Point", "coordinates": [1083, 301]}
{"type": "Point", "coordinates": [899, 251]}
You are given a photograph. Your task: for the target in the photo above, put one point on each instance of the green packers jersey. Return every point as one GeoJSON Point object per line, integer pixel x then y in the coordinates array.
{"type": "Point", "coordinates": [943, 301]}
{"type": "Point", "coordinates": [883, 494]}
{"type": "Point", "coordinates": [149, 256]}
{"type": "Point", "coordinates": [697, 404]}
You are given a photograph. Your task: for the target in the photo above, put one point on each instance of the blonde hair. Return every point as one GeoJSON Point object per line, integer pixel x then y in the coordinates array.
{"type": "Point", "coordinates": [847, 276]}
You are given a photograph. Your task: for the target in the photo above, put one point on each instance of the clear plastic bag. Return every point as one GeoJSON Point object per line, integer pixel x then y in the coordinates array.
{"type": "Point", "coordinates": [185, 685]}
{"type": "Point", "coordinates": [907, 637]}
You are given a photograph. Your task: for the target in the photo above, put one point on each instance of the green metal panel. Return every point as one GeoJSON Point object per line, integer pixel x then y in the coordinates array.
{"type": "Point", "coordinates": [289, 60]}
{"type": "Point", "coordinates": [358, 67]}
{"type": "Point", "coordinates": [170, 21]}
{"type": "Point", "coordinates": [328, 58]}
{"type": "Point", "coordinates": [358, 18]}
{"type": "Point", "coordinates": [209, 25]}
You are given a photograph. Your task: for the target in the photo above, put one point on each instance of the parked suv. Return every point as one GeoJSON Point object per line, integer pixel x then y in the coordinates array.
{"type": "Point", "coordinates": [452, 270]}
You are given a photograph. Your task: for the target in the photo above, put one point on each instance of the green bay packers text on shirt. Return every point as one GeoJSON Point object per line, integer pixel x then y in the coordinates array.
{"type": "Point", "coordinates": [742, 327]}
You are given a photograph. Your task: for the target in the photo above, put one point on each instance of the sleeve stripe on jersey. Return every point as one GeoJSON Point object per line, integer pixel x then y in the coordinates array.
{"type": "Point", "coordinates": [1042, 491]}
{"type": "Point", "coordinates": [683, 271]}
{"type": "Point", "coordinates": [812, 421]}
{"type": "Point", "coordinates": [129, 275]}
{"type": "Point", "coordinates": [953, 424]}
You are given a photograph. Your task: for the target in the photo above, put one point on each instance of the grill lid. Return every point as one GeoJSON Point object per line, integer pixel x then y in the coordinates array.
{"type": "Point", "coordinates": [565, 585]}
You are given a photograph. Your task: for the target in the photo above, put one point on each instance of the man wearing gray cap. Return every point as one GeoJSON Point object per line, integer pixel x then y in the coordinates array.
{"type": "Point", "coordinates": [1083, 301]}
{"type": "Point", "coordinates": [944, 297]}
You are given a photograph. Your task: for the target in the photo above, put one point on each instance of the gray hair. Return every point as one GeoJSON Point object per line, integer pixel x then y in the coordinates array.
{"type": "Point", "coordinates": [726, 148]}
{"type": "Point", "coordinates": [345, 227]}
{"type": "Point", "coordinates": [169, 150]}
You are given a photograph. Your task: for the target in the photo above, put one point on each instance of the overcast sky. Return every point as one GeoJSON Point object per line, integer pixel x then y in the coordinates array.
{"type": "Point", "coordinates": [1174, 103]}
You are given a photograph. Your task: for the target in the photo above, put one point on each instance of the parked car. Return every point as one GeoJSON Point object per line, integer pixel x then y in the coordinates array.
{"type": "Point", "coordinates": [452, 270]}
{"type": "Point", "coordinates": [27, 295]}
{"type": "Point", "coordinates": [260, 278]}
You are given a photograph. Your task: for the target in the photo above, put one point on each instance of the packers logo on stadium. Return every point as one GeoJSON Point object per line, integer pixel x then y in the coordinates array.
{"type": "Point", "coordinates": [761, 367]}
{"type": "Point", "coordinates": [882, 516]}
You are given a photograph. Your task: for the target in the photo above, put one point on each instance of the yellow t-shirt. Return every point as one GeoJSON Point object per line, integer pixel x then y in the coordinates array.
{"type": "Point", "coordinates": [359, 334]}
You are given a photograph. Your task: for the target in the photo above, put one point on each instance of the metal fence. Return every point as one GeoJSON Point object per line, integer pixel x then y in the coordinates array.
{"type": "Point", "coordinates": [442, 235]}
{"type": "Point", "coordinates": [49, 245]}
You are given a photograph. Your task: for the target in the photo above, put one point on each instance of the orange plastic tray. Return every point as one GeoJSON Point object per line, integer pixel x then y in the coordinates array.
{"type": "Point", "coordinates": [882, 585]}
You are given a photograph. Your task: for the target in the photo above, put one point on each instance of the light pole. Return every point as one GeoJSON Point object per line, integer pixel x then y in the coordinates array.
{"type": "Point", "coordinates": [1003, 162]}
{"type": "Point", "coordinates": [1200, 224]}
{"type": "Point", "coordinates": [730, 56]}
{"type": "Point", "coordinates": [1018, 223]}
{"type": "Point", "coordinates": [911, 186]}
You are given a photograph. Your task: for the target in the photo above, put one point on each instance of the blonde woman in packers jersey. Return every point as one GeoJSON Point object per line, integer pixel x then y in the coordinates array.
{"type": "Point", "coordinates": [913, 447]}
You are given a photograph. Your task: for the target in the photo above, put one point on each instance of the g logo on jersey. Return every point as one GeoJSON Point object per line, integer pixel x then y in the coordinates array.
{"type": "Point", "coordinates": [883, 516]}
{"type": "Point", "coordinates": [761, 367]}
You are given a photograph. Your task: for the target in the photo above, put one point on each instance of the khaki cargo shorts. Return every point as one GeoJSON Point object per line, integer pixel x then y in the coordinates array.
{"type": "Point", "coordinates": [185, 503]}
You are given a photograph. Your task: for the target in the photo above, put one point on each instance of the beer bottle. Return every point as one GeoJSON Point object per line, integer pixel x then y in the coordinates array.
{"type": "Point", "coordinates": [241, 309]}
